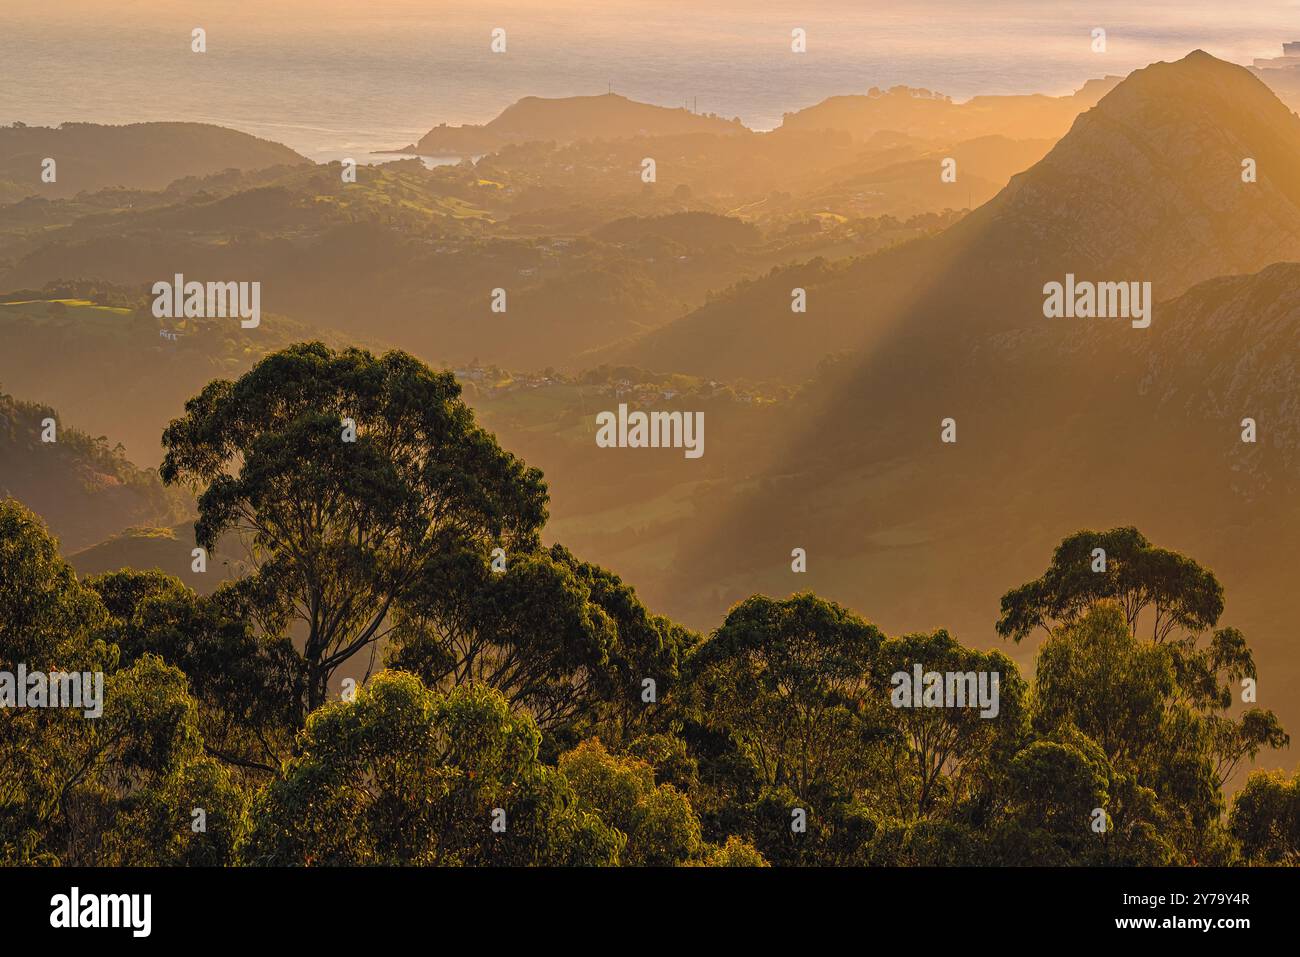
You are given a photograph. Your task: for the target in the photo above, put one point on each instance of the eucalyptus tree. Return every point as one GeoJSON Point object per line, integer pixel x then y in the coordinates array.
{"type": "Point", "coordinates": [346, 476]}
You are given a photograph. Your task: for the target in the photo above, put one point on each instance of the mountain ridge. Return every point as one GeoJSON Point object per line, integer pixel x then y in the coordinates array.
{"type": "Point", "coordinates": [566, 119]}
{"type": "Point", "coordinates": [1097, 205]}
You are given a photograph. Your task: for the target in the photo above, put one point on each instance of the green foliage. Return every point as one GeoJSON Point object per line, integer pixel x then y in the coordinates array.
{"type": "Point", "coordinates": [1096, 676]}
{"type": "Point", "coordinates": [671, 759]}
{"type": "Point", "coordinates": [1137, 575]}
{"type": "Point", "coordinates": [927, 844]}
{"type": "Point", "coordinates": [249, 685]}
{"type": "Point", "coordinates": [788, 681]}
{"type": "Point", "coordinates": [564, 639]}
{"type": "Point", "coordinates": [342, 530]}
{"type": "Point", "coordinates": [117, 787]}
{"type": "Point", "coordinates": [940, 755]}
{"type": "Point", "coordinates": [157, 827]}
{"type": "Point", "coordinates": [665, 830]}
{"type": "Point", "coordinates": [1157, 708]}
{"type": "Point", "coordinates": [403, 775]}
{"type": "Point", "coordinates": [661, 826]}
{"type": "Point", "coordinates": [733, 852]}
{"type": "Point", "coordinates": [512, 728]}
{"type": "Point", "coordinates": [1265, 818]}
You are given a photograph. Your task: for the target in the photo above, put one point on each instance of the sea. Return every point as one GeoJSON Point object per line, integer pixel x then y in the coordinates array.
{"type": "Point", "coordinates": [335, 78]}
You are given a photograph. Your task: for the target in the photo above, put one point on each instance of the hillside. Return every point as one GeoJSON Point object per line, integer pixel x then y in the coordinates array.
{"type": "Point", "coordinates": [1092, 427]}
{"type": "Point", "coordinates": [985, 165]}
{"type": "Point", "coordinates": [929, 115]}
{"type": "Point", "coordinates": [84, 489]}
{"type": "Point", "coordinates": [1229, 351]}
{"type": "Point", "coordinates": [116, 352]}
{"type": "Point", "coordinates": [168, 549]}
{"type": "Point", "coordinates": [566, 119]}
{"type": "Point", "coordinates": [135, 156]}
{"type": "Point", "coordinates": [408, 254]}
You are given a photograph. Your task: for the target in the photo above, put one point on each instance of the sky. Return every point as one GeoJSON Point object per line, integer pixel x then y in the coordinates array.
{"type": "Point", "coordinates": [332, 76]}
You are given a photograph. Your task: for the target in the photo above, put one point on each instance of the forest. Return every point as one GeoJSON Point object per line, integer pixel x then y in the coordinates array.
{"type": "Point", "coordinates": [405, 674]}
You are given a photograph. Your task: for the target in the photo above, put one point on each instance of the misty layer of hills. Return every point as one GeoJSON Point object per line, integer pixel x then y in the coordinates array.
{"type": "Point", "coordinates": [924, 302]}
{"type": "Point", "coordinates": [565, 120]}
{"type": "Point", "coordinates": [136, 156]}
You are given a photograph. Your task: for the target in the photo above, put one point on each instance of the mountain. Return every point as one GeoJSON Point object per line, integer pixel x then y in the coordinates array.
{"type": "Point", "coordinates": [932, 116]}
{"type": "Point", "coordinates": [1061, 424]}
{"type": "Point", "coordinates": [566, 119]}
{"type": "Point", "coordinates": [1147, 186]}
{"type": "Point", "coordinates": [138, 155]}
{"type": "Point", "coordinates": [1150, 182]}
{"type": "Point", "coordinates": [84, 489]}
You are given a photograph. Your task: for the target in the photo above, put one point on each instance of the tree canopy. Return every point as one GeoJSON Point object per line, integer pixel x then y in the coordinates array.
{"type": "Point", "coordinates": [516, 705]}
{"type": "Point", "coordinates": [347, 476]}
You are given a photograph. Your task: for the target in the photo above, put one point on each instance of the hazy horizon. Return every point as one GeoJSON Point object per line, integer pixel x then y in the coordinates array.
{"type": "Point", "coordinates": [335, 79]}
